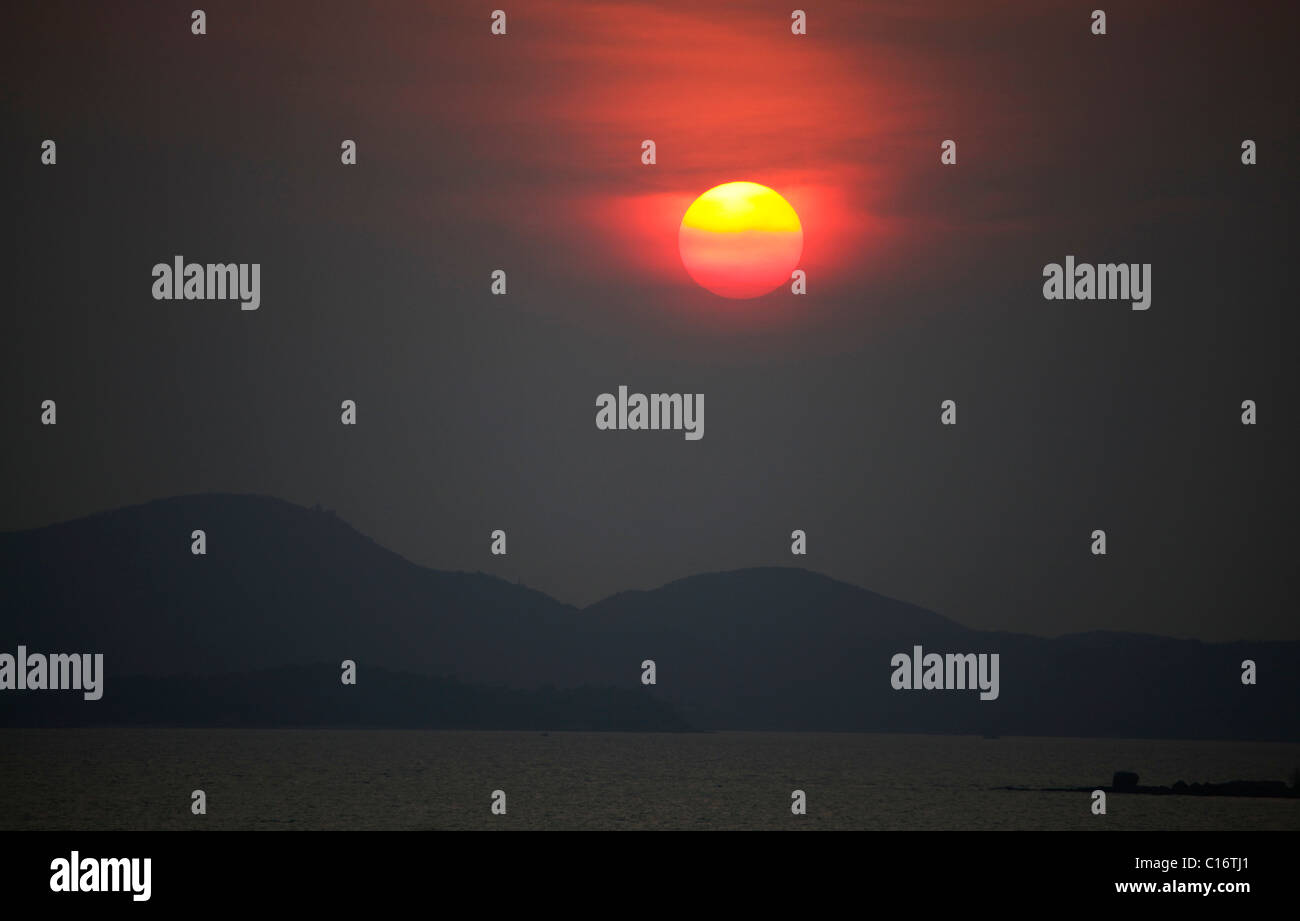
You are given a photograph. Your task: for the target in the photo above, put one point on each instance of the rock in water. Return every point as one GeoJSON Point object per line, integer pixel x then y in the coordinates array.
{"type": "Point", "coordinates": [1124, 780]}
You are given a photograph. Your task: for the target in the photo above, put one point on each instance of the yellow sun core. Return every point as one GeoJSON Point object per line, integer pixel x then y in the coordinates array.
{"type": "Point", "coordinates": [740, 240]}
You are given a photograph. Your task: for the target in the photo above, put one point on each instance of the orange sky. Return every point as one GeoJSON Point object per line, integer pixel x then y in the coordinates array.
{"type": "Point", "coordinates": [482, 151]}
{"type": "Point", "coordinates": [844, 122]}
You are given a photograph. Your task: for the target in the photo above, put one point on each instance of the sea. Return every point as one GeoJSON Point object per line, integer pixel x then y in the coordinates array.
{"type": "Point", "coordinates": [101, 779]}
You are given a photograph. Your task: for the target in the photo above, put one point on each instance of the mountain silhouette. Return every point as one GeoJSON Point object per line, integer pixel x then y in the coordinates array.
{"type": "Point", "coordinates": [313, 695]}
{"type": "Point", "coordinates": [284, 587]}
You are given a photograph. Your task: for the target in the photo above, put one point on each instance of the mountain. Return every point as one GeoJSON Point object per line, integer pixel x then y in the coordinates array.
{"type": "Point", "coordinates": [285, 587]}
{"type": "Point", "coordinates": [313, 695]}
{"type": "Point", "coordinates": [279, 585]}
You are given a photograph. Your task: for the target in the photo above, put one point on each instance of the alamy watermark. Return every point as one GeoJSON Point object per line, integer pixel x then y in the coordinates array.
{"type": "Point", "coordinates": [55, 672]}
{"type": "Point", "coordinates": [951, 672]}
{"type": "Point", "coordinates": [192, 281]}
{"type": "Point", "coordinates": [638, 411]}
{"type": "Point", "coordinates": [103, 874]}
{"type": "Point", "coordinates": [1110, 281]}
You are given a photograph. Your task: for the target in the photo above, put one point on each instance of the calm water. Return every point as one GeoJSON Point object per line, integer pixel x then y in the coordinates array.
{"type": "Point", "coordinates": [287, 779]}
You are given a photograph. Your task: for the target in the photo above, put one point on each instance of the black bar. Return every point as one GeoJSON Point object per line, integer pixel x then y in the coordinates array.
{"type": "Point", "coordinates": [653, 872]}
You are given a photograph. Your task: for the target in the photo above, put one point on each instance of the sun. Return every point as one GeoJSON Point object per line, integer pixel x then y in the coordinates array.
{"type": "Point", "coordinates": [740, 240]}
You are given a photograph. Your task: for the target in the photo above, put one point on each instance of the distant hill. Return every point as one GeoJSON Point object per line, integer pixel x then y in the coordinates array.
{"type": "Point", "coordinates": [280, 585]}
{"type": "Point", "coordinates": [312, 695]}
{"type": "Point", "coordinates": [771, 648]}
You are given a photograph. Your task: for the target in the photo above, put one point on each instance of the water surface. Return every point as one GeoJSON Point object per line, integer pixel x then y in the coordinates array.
{"type": "Point", "coordinates": [288, 779]}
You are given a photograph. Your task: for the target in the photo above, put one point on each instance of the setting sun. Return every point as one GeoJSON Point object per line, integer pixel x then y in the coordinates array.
{"type": "Point", "coordinates": [740, 240]}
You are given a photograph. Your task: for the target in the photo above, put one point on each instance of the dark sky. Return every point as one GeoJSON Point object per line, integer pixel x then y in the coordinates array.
{"type": "Point", "coordinates": [522, 152]}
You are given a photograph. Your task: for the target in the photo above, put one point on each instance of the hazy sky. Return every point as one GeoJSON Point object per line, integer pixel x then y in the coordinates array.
{"type": "Point", "coordinates": [522, 152]}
